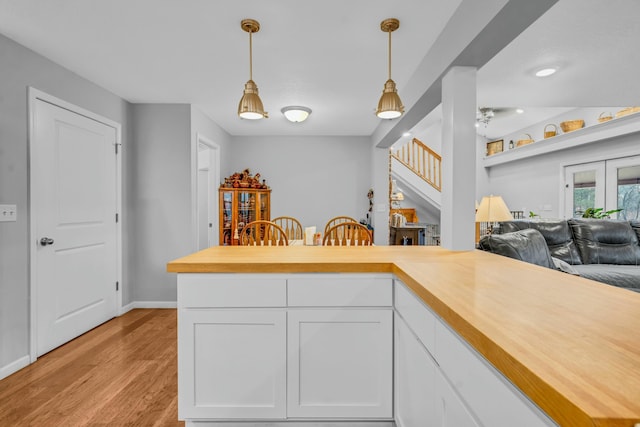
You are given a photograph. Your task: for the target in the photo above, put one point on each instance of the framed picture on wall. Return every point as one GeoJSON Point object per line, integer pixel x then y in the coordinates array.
{"type": "Point", "coordinates": [494, 147]}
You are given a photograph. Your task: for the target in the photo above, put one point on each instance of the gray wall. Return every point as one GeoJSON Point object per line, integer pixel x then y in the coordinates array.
{"type": "Point", "coordinates": [163, 192]}
{"type": "Point", "coordinates": [161, 184]}
{"type": "Point", "coordinates": [312, 178]}
{"type": "Point", "coordinates": [19, 68]}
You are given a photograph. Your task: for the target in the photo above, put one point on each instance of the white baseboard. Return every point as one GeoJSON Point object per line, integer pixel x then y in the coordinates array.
{"type": "Point", "coordinates": [308, 423]}
{"type": "Point", "coordinates": [148, 304]}
{"type": "Point", "coordinates": [14, 366]}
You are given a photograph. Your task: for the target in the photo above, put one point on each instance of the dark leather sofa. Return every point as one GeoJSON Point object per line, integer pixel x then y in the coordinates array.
{"type": "Point", "coordinates": [599, 249]}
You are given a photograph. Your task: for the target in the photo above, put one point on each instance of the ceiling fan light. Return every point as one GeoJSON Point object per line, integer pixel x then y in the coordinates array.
{"type": "Point", "coordinates": [250, 106]}
{"type": "Point", "coordinates": [390, 106]}
{"type": "Point", "coordinates": [296, 114]}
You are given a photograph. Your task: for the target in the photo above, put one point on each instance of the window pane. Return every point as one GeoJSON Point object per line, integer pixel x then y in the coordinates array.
{"type": "Point", "coordinates": [584, 192]}
{"type": "Point", "coordinates": [629, 192]}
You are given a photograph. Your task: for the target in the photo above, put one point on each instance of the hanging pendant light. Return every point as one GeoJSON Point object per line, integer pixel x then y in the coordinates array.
{"type": "Point", "coordinates": [389, 106]}
{"type": "Point", "coordinates": [250, 106]}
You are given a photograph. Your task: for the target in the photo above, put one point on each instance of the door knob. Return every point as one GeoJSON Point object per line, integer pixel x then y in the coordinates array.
{"type": "Point", "coordinates": [46, 241]}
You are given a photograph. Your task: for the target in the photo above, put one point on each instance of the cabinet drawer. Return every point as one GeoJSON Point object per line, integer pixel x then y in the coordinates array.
{"type": "Point", "coordinates": [228, 290]}
{"type": "Point", "coordinates": [340, 291]}
{"type": "Point", "coordinates": [419, 318]}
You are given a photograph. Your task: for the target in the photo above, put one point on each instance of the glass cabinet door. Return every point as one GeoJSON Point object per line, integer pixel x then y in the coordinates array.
{"type": "Point", "coordinates": [246, 208]}
{"type": "Point", "coordinates": [226, 217]}
{"type": "Point", "coordinates": [264, 206]}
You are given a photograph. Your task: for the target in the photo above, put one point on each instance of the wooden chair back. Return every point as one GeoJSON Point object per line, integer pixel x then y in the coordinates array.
{"type": "Point", "coordinates": [291, 226]}
{"type": "Point", "coordinates": [263, 233]}
{"type": "Point", "coordinates": [337, 220]}
{"type": "Point", "coordinates": [347, 234]}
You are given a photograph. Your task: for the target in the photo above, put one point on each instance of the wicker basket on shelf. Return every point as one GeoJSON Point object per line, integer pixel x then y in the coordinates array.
{"type": "Point", "coordinates": [571, 125]}
{"type": "Point", "coordinates": [550, 133]}
{"type": "Point", "coordinates": [604, 117]}
{"type": "Point", "coordinates": [627, 111]}
{"type": "Point", "coordinates": [522, 142]}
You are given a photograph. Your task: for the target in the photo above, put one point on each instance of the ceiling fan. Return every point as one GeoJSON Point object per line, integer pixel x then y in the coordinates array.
{"type": "Point", "coordinates": [486, 114]}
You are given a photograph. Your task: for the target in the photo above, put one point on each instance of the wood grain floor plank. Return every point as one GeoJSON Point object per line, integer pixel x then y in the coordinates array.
{"type": "Point", "coordinates": [121, 373]}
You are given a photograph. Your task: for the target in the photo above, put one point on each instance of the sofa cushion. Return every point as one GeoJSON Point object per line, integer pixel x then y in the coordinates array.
{"type": "Point", "coordinates": [623, 276]}
{"type": "Point", "coordinates": [605, 241]}
{"type": "Point", "coordinates": [635, 224]}
{"type": "Point", "coordinates": [556, 233]}
{"type": "Point", "coordinates": [525, 245]}
{"type": "Point", "coordinates": [563, 266]}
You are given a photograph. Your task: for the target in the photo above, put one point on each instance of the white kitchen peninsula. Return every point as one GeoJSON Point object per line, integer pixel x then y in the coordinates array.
{"type": "Point", "coordinates": [408, 335]}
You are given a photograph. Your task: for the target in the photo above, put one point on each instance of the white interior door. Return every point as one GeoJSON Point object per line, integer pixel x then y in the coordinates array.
{"type": "Point", "coordinates": [73, 205]}
{"type": "Point", "coordinates": [207, 185]}
{"type": "Point", "coordinates": [584, 188]}
{"type": "Point", "coordinates": [207, 201]}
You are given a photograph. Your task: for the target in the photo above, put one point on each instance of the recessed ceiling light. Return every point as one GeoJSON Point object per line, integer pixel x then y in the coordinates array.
{"type": "Point", "coordinates": [519, 110]}
{"type": "Point", "coordinates": [406, 134]}
{"type": "Point", "coordinates": [545, 72]}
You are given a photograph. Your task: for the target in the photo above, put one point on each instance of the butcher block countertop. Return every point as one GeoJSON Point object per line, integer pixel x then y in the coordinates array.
{"type": "Point", "coordinates": [572, 345]}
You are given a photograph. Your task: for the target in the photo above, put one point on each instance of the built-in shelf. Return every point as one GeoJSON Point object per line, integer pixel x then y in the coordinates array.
{"type": "Point", "coordinates": [595, 133]}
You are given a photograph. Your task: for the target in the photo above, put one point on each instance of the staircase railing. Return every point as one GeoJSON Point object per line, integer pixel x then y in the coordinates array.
{"type": "Point", "coordinates": [422, 160]}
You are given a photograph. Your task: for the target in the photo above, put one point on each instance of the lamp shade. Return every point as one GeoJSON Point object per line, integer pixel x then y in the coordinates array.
{"type": "Point", "coordinates": [493, 209]}
{"type": "Point", "coordinates": [250, 106]}
{"type": "Point", "coordinates": [390, 106]}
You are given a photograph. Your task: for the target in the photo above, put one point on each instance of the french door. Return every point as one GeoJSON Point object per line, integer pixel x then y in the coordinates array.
{"type": "Point", "coordinates": [608, 184]}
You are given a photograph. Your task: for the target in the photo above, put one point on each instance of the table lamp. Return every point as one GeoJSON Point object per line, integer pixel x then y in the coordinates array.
{"type": "Point", "coordinates": [492, 209]}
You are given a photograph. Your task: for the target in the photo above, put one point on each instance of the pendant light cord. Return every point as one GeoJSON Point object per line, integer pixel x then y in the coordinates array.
{"type": "Point", "coordinates": [389, 55]}
{"type": "Point", "coordinates": [250, 55]}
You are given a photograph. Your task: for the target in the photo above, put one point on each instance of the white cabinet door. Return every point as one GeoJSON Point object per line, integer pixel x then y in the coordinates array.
{"type": "Point", "coordinates": [232, 364]}
{"type": "Point", "coordinates": [451, 410]}
{"type": "Point", "coordinates": [340, 364]}
{"type": "Point", "coordinates": [415, 392]}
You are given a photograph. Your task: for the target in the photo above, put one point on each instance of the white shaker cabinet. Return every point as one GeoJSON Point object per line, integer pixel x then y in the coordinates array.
{"type": "Point", "coordinates": [340, 363]}
{"type": "Point", "coordinates": [463, 389]}
{"type": "Point", "coordinates": [232, 364]}
{"type": "Point", "coordinates": [415, 372]}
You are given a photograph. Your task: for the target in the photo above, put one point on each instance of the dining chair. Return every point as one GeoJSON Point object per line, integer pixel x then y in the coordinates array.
{"type": "Point", "coordinates": [263, 233]}
{"type": "Point", "coordinates": [291, 226]}
{"type": "Point", "coordinates": [337, 220]}
{"type": "Point", "coordinates": [347, 234]}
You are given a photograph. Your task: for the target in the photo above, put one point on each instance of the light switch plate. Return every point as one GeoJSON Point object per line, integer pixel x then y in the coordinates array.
{"type": "Point", "coordinates": [8, 213]}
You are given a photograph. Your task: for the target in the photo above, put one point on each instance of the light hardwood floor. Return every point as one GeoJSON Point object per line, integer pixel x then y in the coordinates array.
{"type": "Point", "coordinates": [122, 373]}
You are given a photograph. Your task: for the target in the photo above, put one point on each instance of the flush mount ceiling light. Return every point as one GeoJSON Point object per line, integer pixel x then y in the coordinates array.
{"type": "Point", "coordinates": [250, 106]}
{"type": "Point", "coordinates": [296, 113]}
{"type": "Point", "coordinates": [389, 106]}
{"type": "Point", "coordinates": [545, 72]}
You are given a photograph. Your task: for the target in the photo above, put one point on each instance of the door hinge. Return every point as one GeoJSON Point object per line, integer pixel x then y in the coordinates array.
{"type": "Point", "coordinates": [116, 145]}
{"type": "Point", "coordinates": [117, 286]}
{"type": "Point", "coordinates": [117, 217]}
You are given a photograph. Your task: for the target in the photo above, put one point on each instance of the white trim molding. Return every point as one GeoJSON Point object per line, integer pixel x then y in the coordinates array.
{"type": "Point", "coordinates": [14, 366]}
{"type": "Point", "coordinates": [148, 304]}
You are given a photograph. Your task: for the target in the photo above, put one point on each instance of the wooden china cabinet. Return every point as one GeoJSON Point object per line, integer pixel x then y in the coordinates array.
{"type": "Point", "coordinates": [239, 206]}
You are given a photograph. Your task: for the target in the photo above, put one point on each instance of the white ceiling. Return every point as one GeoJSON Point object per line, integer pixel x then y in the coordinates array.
{"type": "Point", "coordinates": [328, 55]}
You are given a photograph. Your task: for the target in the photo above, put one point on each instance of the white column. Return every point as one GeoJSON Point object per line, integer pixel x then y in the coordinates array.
{"type": "Point", "coordinates": [457, 217]}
